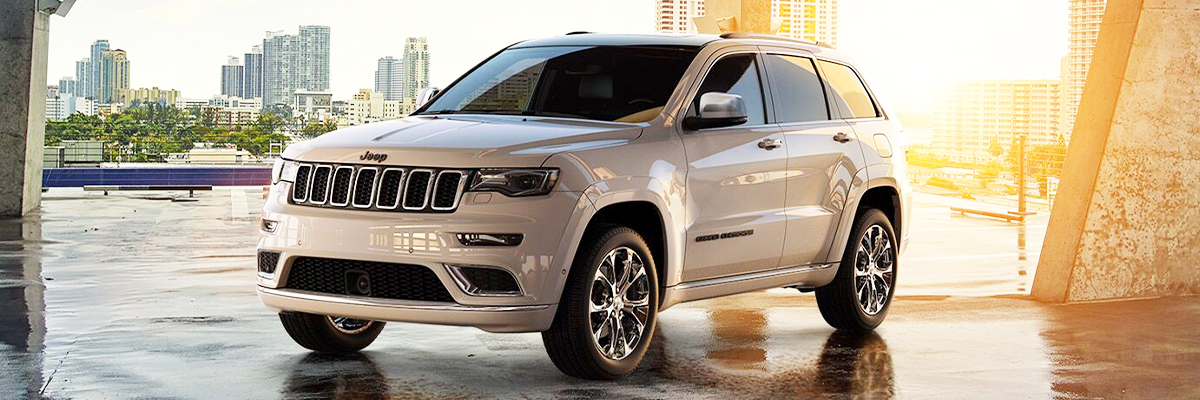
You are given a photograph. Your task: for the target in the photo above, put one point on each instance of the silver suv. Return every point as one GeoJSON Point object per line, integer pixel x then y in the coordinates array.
{"type": "Point", "coordinates": [577, 186]}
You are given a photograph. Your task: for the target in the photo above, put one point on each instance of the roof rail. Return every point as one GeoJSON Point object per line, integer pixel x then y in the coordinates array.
{"type": "Point", "coordinates": [577, 33]}
{"type": "Point", "coordinates": [761, 36]}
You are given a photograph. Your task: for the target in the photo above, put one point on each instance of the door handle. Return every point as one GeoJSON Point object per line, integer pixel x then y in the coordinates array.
{"type": "Point", "coordinates": [841, 137]}
{"type": "Point", "coordinates": [770, 144]}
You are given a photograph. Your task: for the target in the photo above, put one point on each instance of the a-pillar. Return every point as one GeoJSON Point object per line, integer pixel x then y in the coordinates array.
{"type": "Point", "coordinates": [24, 39]}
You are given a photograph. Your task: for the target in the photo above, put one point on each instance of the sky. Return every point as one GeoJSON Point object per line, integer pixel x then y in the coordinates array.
{"type": "Point", "coordinates": [906, 48]}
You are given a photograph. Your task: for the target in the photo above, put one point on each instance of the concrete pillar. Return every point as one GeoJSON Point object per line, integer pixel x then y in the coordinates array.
{"type": "Point", "coordinates": [24, 40]}
{"type": "Point", "coordinates": [749, 16]}
{"type": "Point", "coordinates": [1126, 222]}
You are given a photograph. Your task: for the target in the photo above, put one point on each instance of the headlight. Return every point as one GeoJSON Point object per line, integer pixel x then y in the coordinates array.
{"type": "Point", "coordinates": [514, 182]}
{"type": "Point", "coordinates": [284, 170]}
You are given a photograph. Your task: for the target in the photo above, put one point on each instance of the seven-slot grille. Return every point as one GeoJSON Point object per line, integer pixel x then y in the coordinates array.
{"type": "Point", "coordinates": [378, 188]}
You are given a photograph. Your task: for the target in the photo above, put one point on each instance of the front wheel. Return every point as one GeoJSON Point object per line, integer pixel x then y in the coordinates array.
{"type": "Point", "coordinates": [330, 334]}
{"type": "Point", "coordinates": [607, 314]}
{"type": "Point", "coordinates": [859, 296]}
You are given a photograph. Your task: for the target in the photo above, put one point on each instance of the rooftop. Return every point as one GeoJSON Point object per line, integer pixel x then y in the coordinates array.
{"type": "Point", "coordinates": [128, 295]}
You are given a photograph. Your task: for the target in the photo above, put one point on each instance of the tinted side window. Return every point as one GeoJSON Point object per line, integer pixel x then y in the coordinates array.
{"type": "Point", "coordinates": [738, 75]}
{"type": "Point", "coordinates": [798, 95]}
{"type": "Point", "coordinates": [848, 91]}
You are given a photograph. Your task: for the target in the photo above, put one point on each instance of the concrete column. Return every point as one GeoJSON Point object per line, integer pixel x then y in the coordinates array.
{"type": "Point", "coordinates": [24, 43]}
{"type": "Point", "coordinates": [1126, 222]}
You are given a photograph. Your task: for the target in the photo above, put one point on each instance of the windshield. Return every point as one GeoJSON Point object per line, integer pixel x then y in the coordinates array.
{"type": "Point", "coordinates": [622, 84]}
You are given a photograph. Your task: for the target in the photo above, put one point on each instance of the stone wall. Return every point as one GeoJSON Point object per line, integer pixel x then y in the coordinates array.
{"type": "Point", "coordinates": [1126, 223]}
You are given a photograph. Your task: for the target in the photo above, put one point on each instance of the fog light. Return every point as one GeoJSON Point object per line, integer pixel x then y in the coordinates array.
{"type": "Point", "coordinates": [269, 226]}
{"type": "Point", "coordinates": [490, 239]}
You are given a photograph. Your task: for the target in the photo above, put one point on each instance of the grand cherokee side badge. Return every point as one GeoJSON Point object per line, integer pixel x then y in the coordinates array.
{"type": "Point", "coordinates": [376, 157]}
{"type": "Point", "coordinates": [726, 235]}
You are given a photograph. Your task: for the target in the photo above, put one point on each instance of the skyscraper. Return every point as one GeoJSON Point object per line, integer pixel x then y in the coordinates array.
{"type": "Point", "coordinates": [1086, 16]}
{"type": "Point", "coordinates": [970, 116]}
{"type": "Point", "coordinates": [96, 69]}
{"type": "Point", "coordinates": [252, 76]}
{"type": "Point", "coordinates": [675, 16]}
{"type": "Point", "coordinates": [231, 78]}
{"type": "Point", "coordinates": [807, 19]}
{"type": "Point", "coordinates": [416, 66]}
{"type": "Point", "coordinates": [802, 19]}
{"type": "Point", "coordinates": [83, 76]}
{"type": "Point", "coordinates": [295, 62]}
{"type": "Point", "coordinates": [114, 76]}
{"type": "Point", "coordinates": [68, 86]}
{"type": "Point", "coordinates": [389, 78]}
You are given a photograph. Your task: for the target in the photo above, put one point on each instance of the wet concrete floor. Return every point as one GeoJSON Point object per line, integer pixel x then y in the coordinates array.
{"type": "Point", "coordinates": [129, 297]}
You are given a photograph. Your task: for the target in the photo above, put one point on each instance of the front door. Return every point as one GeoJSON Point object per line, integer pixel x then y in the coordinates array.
{"type": "Point", "coordinates": [735, 179]}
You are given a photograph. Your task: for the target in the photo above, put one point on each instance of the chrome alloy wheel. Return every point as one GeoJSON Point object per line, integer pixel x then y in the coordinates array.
{"type": "Point", "coordinates": [874, 270]}
{"type": "Point", "coordinates": [349, 326]}
{"type": "Point", "coordinates": [619, 304]}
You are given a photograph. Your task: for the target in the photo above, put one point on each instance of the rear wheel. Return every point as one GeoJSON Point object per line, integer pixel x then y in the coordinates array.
{"type": "Point", "coordinates": [607, 314]}
{"type": "Point", "coordinates": [858, 298]}
{"type": "Point", "coordinates": [330, 334]}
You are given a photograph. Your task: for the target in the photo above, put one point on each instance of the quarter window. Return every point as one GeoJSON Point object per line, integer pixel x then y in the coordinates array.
{"type": "Point", "coordinates": [798, 94]}
{"type": "Point", "coordinates": [849, 93]}
{"type": "Point", "coordinates": [737, 74]}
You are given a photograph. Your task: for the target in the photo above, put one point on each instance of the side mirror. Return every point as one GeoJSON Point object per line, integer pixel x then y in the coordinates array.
{"type": "Point", "coordinates": [718, 110]}
{"type": "Point", "coordinates": [425, 95]}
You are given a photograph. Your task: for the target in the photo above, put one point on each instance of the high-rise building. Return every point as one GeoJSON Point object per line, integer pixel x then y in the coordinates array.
{"type": "Point", "coordinates": [675, 16]}
{"type": "Point", "coordinates": [83, 76]}
{"type": "Point", "coordinates": [95, 69]}
{"type": "Point", "coordinates": [389, 78]}
{"type": "Point", "coordinates": [114, 76]}
{"type": "Point", "coordinates": [416, 66]}
{"type": "Point", "coordinates": [294, 63]}
{"type": "Point", "coordinates": [252, 76]}
{"type": "Point", "coordinates": [1086, 16]}
{"type": "Point", "coordinates": [807, 19]}
{"type": "Point", "coordinates": [68, 85]}
{"type": "Point", "coordinates": [231, 78]}
{"type": "Point", "coordinates": [165, 97]}
{"type": "Point", "coordinates": [970, 116]}
{"type": "Point", "coordinates": [802, 19]}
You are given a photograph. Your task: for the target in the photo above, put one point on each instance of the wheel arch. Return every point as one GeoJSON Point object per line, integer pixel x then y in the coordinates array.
{"type": "Point", "coordinates": [642, 204]}
{"type": "Point", "coordinates": [883, 194]}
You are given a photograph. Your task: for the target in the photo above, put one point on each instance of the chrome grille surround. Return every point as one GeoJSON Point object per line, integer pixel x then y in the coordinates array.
{"type": "Point", "coordinates": [450, 186]}
{"type": "Point", "coordinates": [408, 189]}
{"type": "Point", "coordinates": [421, 184]}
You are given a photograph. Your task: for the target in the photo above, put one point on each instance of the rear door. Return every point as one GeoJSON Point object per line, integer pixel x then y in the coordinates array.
{"type": "Point", "coordinates": [823, 156]}
{"type": "Point", "coordinates": [852, 98]}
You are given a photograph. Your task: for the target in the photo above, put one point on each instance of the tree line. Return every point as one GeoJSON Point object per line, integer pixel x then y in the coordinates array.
{"type": "Point", "coordinates": [149, 132]}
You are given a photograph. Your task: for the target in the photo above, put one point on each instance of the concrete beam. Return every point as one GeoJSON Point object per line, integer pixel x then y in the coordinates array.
{"type": "Point", "coordinates": [1126, 223]}
{"type": "Point", "coordinates": [24, 44]}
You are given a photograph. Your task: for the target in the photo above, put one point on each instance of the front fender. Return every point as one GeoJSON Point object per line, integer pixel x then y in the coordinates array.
{"type": "Point", "coordinates": [666, 199]}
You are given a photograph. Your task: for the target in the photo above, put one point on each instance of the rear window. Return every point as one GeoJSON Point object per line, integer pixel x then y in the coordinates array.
{"type": "Point", "coordinates": [849, 92]}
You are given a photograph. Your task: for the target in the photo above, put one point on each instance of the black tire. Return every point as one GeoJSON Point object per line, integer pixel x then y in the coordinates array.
{"type": "Point", "coordinates": [569, 341]}
{"type": "Point", "coordinates": [318, 333]}
{"type": "Point", "coordinates": [839, 301]}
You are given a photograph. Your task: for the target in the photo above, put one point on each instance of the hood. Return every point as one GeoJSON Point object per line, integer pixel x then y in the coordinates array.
{"type": "Point", "coordinates": [462, 141]}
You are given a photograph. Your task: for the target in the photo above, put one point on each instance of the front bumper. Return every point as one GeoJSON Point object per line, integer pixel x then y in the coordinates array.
{"type": "Point", "coordinates": [429, 240]}
{"type": "Point", "coordinates": [534, 318]}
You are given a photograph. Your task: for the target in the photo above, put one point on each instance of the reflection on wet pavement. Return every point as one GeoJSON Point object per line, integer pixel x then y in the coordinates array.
{"type": "Point", "coordinates": [115, 297]}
